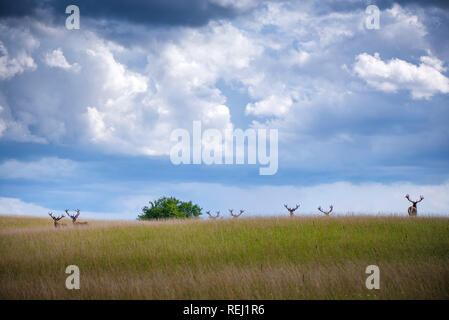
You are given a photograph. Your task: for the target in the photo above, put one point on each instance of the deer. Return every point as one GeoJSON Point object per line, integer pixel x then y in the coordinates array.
{"type": "Point", "coordinates": [326, 212]}
{"type": "Point", "coordinates": [56, 220]}
{"type": "Point", "coordinates": [74, 217]}
{"type": "Point", "coordinates": [236, 215]}
{"type": "Point", "coordinates": [291, 210]}
{"type": "Point", "coordinates": [412, 210]}
{"type": "Point", "coordinates": [213, 216]}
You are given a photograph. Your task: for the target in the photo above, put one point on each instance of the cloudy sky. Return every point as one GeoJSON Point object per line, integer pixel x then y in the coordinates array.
{"type": "Point", "coordinates": [86, 115]}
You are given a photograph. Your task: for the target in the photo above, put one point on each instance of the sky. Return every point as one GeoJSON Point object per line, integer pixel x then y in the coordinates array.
{"type": "Point", "coordinates": [86, 115]}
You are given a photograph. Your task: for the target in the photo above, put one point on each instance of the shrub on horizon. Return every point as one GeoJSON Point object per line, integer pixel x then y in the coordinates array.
{"type": "Point", "coordinates": [165, 208]}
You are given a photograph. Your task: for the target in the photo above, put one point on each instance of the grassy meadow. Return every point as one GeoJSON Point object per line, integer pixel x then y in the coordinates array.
{"type": "Point", "coordinates": [253, 258]}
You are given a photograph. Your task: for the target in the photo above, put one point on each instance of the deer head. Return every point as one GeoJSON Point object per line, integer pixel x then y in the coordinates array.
{"type": "Point", "coordinates": [213, 216]}
{"type": "Point", "coordinates": [326, 212]}
{"type": "Point", "coordinates": [291, 210]}
{"type": "Point", "coordinates": [72, 216]}
{"type": "Point", "coordinates": [75, 216]}
{"type": "Point", "coordinates": [236, 215]}
{"type": "Point", "coordinates": [413, 210]}
{"type": "Point", "coordinates": [421, 198]}
{"type": "Point", "coordinates": [56, 219]}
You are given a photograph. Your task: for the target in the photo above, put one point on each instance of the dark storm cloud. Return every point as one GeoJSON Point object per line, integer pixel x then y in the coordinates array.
{"type": "Point", "coordinates": [179, 12]}
{"type": "Point", "coordinates": [176, 12]}
{"type": "Point", "coordinates": [19, 8]}
{"type": "Point", "coordinates": [342, 6]}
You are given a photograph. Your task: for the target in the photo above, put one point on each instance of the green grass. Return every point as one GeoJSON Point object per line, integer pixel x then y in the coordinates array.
{"type": "Point", "coordinates": [10, 222]}
{"type": "Point", "coordinates": [260, 258]}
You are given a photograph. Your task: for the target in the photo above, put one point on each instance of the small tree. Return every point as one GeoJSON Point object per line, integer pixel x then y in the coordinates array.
{"type": "Point", "coordinates": [165, 208]}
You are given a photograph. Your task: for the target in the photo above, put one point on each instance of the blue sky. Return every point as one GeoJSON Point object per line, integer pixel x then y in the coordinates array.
{"type": "Point", "coordinates": [86, 115]}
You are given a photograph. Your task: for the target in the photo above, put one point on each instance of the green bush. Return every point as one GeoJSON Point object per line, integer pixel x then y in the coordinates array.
{"type": "Point", "coordinates": [165, 208]}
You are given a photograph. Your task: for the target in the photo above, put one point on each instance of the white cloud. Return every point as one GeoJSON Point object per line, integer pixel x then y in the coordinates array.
{"type": "Point", "coordinates": [10, 66]}
{"type": "Point", "coordinates": [299, 57]}
{"type": "Point", "coordinates": [16, 130]}
{"type": "Point", "coordinates": [14, 206]}
{"type": "Point", "coordinates": [272, 105]}
{"type": "Point", "coordinates": [402, 26]}
{"type": "Point", "coordinates": [423, 80]}
{"type": "Point", "coordinates": [117, 78]}
{"type": "Point", "coordinates": [433, 62]}
{"type": "Point", "coordinates": [203, 56]}
{"type": "Point", "coordinates": [137, 111]}
{"type": "Point", "coordinates": [43, 170]}
{"type": "Point", "coordinates": [56, 59]}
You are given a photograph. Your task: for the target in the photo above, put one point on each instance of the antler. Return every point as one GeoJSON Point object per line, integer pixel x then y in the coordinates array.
{"type": "Point", "coordinates": [240, 213]}
{"type": "Point", "coordinates": [77, 213]}
{"type": "Point", "coordinates": [55, 218]}
{"type": "Point", "coordinates": [291, 210]}
{"type": "Point", "coordinates": [236, 215]}
{"type": "Point", "coordinates": [68, 213]}
{"type": "Point", "coordinates": [326, 212]}
{"type": "Point", "coordinates": [408, 198]}
{"type": "Point", "coordinates": [211, 216]}
{"type": "Point", "coordinates": [421, 198]}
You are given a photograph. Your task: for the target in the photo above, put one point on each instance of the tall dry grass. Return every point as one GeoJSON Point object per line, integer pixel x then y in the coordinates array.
{"type": "Point", "coordinates": [259, 258]}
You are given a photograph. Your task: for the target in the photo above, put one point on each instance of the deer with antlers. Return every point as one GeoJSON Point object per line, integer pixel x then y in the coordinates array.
{"type": "Point", "coordinates": [236, 215]}
{"type": "Point", "coordinates": [326, 212]}
{"type": "Point", "coordinates": [217, 214]}
{"type": "Point", "coordinates": [412, 210]}
{"type": "Point", "coordinates": [56, 220]}
{"type": "Point", "coordinates": [291, 210]}
{"type": "Point", "coordinates": [74, 217]}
